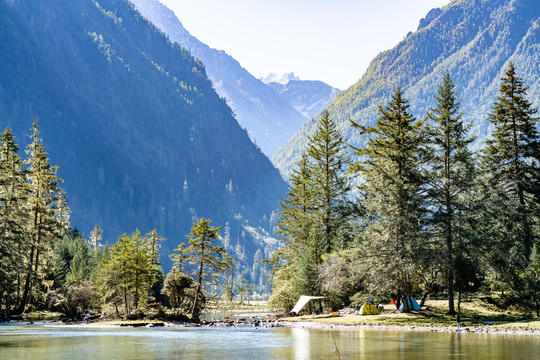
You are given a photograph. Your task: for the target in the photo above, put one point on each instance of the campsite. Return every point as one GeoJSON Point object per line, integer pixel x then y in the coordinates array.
{"type": "Point", "coordinates": [476, 315]}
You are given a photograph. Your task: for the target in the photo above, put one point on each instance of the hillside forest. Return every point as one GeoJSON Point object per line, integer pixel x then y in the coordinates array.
{"type": "Point", "coordinates": [413, 211]}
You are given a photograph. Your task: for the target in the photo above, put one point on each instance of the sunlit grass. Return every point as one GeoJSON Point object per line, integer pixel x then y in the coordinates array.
{"type": "Point", "coordinates": [473, 313]}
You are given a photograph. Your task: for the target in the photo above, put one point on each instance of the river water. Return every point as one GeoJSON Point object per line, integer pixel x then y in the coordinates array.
{"type": "Point", "coordinates": [56, 342]}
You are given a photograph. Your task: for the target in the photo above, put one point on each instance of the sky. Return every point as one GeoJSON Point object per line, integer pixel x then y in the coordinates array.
{"type": "Point", "coordinates": [328, 40]}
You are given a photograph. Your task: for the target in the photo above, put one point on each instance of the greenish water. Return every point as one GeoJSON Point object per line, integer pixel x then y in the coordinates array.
{"type": "Point", "coordinates": [55, 342]}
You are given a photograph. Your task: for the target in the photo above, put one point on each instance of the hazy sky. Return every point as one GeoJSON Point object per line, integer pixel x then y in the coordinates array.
{"type": "Point", "coordinates": [328, 40]}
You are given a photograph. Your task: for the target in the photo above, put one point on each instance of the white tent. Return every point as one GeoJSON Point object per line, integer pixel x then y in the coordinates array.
{"type": "Point", "coordinates": [303, 301]}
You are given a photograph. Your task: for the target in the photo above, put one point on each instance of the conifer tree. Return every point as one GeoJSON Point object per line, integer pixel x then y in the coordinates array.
{"type": "Point", "coordinates": [512, 166]}
{"type": "Point", "coordinates": [130, 267]}
{"type": "Point", "coordinates": [392, 188]}
{"type": "Point", "coordinates": [96, 235]}
{"type": "Point", "coordinates": [207, 260]}
{"type": "Point", "coordinates": [329, 160]}
{"type": "Point", "coordinates": [13, 217]}
{"type": "Point", "coordinates": [153, 245]}
{"type": "Point", "coordinates": [296, 217]}
{"type": "Point", "coordinates": [296, 224]}
{"type": "Point", "coordinates": [62, 212]}
{"type": "Point", "coordinates": [451, 177]}
{"type": "Point", "coordinates": [43, 227]}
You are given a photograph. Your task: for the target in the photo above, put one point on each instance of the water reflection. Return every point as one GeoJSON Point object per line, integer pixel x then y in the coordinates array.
{"type": "Point", "coordinates": [302, 348]}
{"type": "Point", "coordinates": [54, 342]}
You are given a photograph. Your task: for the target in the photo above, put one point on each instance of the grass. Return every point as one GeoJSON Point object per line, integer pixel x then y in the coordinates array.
{"type": "Point", "coordinates": [473, 313]}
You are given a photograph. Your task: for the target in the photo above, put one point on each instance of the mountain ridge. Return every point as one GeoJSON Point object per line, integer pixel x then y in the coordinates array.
{"type": "Point", "coordinates": [472, 40]}
{"type": "Point", "coordinates": [270, 120]}
{"type": "Point", "coordinates": [141, 138]}
{"type": "Point", "coordinates": [308, 97]}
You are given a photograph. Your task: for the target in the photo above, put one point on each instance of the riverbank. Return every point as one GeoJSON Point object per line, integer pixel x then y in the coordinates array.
{"type": "Point", "coordinates": [355, 327]}
{"type": "Point", "coordinates": [476, 316]}
{"type": "Point", "coordinates": [315, 323]}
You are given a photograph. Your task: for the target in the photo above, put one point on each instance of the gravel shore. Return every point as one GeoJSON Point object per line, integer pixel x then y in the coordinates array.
{"type": "Point", "coordinates": [468, 329]}
{"type": "Point", "coordinates": [325, 326]}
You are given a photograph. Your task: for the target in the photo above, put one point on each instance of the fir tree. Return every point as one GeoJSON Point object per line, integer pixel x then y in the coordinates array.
{"type": "Point", "coordinates": [511, 162]}
{"type": "Point", "coordinates": [296, 217]}
{"type": "Point", "coordinates": [451, 175]}
{"type": "Point", "coordinates": [43, 227]}
{"type": "Point", "coordinates": [512, 159]}
{"type": "Point", "coordinates": [329, 158]}
{"type": "Point", "coordinates": [14, 217]}
{"type": "Point", "coordinates": [296, 224]}
{"type": "Point", "coordinates": [392, 187]}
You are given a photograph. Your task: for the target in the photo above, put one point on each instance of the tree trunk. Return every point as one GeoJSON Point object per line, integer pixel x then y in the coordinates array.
{"type": "Point", "coordinates": [28, 280]}
{"type": "Point", "coordinates": [450, 272]}
{"type": "Point", "coordinates": [424, 298]}
{"type": "Point", "coordinates": [7, 307]}
{"type": "Point", "coordinates": [199, 283]}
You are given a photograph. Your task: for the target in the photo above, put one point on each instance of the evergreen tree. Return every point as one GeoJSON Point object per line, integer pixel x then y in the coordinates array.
{"type": "Point", "coordinates": [154, 244]}
{"type": "Point", "coordinates": [451, 176]}
{"type": "Point", "coordinates": [296, 217]}
{"type": "Point", "coordinates": [296, 224]}
{"type": "Point", "coordinates": [329, 160]}
{"type": "Point", "coordinates": [74, 261]}
{"type": "Point", "coordinates": [96, 235]}
{"type": "Point", "coordinates": [207, 260]}
{"type": "Point", "coordinates": [14, 218]}
{"type": "Point", "coordinates": [306, 279]}
{"type": "Point", "coordinates": [43, 227]}
{"type": "Point", "coordinates": [62, 212]}
{"type": "Point", "coordinates": [511, 162]}
{"type": "Point", "coordinates": [392, 191]}
{"type": "Point", "coordinates": [130, 268]}
{"type": "Point", "coordinates": [228, 290]}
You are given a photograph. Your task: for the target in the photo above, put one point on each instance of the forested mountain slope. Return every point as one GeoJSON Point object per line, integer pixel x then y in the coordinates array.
{"type": "Point", "coordinates": [472, 40]}
{"type": "Point", "coordinates": [140, 136]}
{"type": "Point", "coordinates": [268, 118]}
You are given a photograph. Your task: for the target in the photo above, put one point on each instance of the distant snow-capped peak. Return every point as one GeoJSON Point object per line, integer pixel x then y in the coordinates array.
{"type": "Point", "coordinates": [285, 78]}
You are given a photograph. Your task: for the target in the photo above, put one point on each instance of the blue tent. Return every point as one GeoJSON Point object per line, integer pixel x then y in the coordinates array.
{"type": "Point", "coordinates": [413, 305]}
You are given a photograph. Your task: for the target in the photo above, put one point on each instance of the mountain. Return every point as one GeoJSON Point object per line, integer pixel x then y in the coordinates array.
{"type": "Point", "coordinates": [308, 97]}
{"type": "Point", "coordinates": [472, 40]}
{"type": "Point", "coordinates": [274, 78]}
{"type": "Point", "coordinates": [268, 118]}
{"type": "Point", "coordinates": [141, 138]}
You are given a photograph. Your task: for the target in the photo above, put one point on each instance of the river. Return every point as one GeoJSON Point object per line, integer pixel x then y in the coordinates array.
{"type": "Point", "coordinates": [42, 341]}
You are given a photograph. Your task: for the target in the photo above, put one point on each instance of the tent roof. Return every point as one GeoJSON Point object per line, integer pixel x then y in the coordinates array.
{"type": "Point", "coordinates": [304, 299]}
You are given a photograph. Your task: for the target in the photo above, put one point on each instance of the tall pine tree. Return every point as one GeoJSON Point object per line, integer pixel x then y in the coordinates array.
{"type": "Point", "coordinates": [511, 162]}
{"type": "Point", "coordinates": [392, 188]}
{"type": "Point", "coordinates": [14, 218]}
{"type": "Point", "coordinates": [329, 160]}
{"type": "Point", "coordinates": [295, 224]}
{"type": "Point", "coordinates": [43, 228]}
{"type": "Point", "coordinates": [451, 176]}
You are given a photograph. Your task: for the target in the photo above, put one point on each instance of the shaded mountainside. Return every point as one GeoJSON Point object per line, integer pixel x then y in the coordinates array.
{"type": "Point", "coordinates": [140, 136]}
{"type": "Point", "coordinates": [473, 40]}
{"type": "Point", "coordinates": [308, 97]}
{"type": "Point", "coordinates": [268, 118]}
